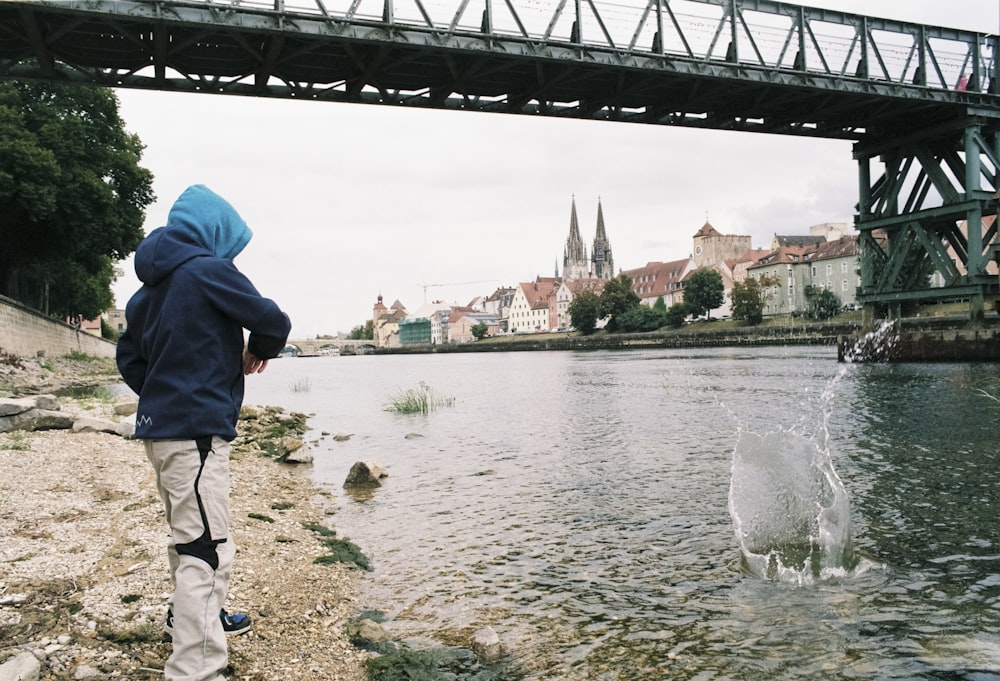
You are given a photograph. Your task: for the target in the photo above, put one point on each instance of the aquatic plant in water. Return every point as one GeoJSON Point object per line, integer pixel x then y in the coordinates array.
{"type": "Point", "coordinates": [420, 400]}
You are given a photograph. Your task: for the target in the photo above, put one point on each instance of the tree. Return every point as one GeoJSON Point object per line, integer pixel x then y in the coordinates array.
{"type": "Point", "coordinates": [823, 305]}
{"type": "Point", "coordinates": [584, 311]}
{"type": "Point", "coordinates": [72, 196]}
{"type": "Point", "coordinates": [704, 291]}
{"type": "Point", "coordinates": [480, 331]}
{"type": "Point", "coordinates": [749, 298]}
{"type": "Point", "coordinates": [617, 298]}
{"type": "Point", "coordinates": [642, 318]}
{"type": "Point", "coordinates": [676, 314]}
{"type": "Point", "coordinates": [363, 332]}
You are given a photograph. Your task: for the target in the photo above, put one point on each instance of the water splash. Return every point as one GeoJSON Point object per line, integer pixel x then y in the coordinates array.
{"type": "Point", "coordinates": [879, 345]}
{"type": "Point", "coordinates": [790, 510]}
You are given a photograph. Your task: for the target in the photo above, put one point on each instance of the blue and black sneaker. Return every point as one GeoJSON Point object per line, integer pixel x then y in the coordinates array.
{"type": "Point", "coordinates": [234, 624]}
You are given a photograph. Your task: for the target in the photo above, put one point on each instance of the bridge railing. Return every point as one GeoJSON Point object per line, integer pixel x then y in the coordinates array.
{"type": "Point", "coordinates": [751, 33]}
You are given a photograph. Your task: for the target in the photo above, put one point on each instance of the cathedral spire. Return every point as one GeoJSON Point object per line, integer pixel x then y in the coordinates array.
{"type": "Point", "coordinates": [601, 235]}
{"type": "Point", "coordinates": [603, 263]}
{"type": "Point", "coordinates": [575, 262]}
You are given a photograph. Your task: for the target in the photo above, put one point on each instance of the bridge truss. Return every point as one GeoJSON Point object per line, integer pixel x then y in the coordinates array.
{"type": "Point", "coordinates": [922, 103]}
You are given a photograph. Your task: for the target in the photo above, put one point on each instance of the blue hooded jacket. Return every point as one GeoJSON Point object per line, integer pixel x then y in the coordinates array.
{"type": "Point", "coordinates": [182, 351]}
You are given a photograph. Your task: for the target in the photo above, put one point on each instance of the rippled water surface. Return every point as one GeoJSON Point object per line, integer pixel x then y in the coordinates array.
{"type": "Point", "coordinates": [577, 503]}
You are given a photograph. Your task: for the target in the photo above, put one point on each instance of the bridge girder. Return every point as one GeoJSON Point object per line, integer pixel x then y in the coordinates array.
{"type": "Point", "coordinates": [767, 66]}
{"type": "Point", "coordinates": [923, 233]}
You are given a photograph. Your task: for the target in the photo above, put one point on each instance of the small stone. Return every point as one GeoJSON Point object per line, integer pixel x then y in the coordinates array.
{"type": "Point", "coordinates": [65, 639]}
{"type": "Point", "coordinates": [85, 671]}
{"type": "Point", "coordinates": [486, 644]}
{"type": "Point", "coordinates": [126, 408]}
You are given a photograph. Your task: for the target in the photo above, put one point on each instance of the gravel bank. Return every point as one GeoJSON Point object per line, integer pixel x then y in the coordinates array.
{"type": "Point", "coordinates": [83, 574]}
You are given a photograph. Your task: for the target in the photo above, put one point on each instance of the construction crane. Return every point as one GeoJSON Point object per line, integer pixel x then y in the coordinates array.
{"type": "Point", "coordinates": [458, 283]}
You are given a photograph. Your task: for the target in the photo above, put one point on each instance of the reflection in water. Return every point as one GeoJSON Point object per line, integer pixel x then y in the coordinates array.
{"type": "Point", "coordinates": [577, 503]}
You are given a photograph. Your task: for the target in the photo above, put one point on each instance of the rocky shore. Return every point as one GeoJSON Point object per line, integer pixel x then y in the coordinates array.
{"type": "Point", "coordinates": [83, 574]}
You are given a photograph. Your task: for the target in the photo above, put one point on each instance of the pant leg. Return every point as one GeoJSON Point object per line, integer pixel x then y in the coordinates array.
{"type": "Point", "coordinates": [193, 477]}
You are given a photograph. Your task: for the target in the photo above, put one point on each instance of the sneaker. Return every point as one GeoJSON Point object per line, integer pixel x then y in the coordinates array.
{"type": "Point", "coordinates": [234, 624]}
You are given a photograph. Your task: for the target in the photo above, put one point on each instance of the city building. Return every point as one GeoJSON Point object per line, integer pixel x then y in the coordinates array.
{"type": "Point", "coordinates": [530, 310]}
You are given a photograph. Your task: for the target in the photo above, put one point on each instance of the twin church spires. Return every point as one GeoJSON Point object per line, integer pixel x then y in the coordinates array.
{"type": "Point", "coordinates": [576, 264]}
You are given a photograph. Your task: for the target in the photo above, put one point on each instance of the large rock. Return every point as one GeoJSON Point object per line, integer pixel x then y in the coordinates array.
{"type": "Point", "coordinates": [88, 424]}
{"type": "Point", "coordinates": [21, 667]}
{"type": "Point", "coordinates": [10, 406]}
{"type": "Point", "coordinates": [365, 474]}
{"type": "Point", "coordinates": [36, 419]}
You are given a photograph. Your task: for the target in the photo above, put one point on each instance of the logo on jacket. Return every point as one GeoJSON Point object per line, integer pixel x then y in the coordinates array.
{"type": "Point", "coordinates": [143, 420]}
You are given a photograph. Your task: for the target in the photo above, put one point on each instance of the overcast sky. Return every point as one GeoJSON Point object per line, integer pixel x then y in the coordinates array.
{"type": "Point", "coordinates": [350, 201]}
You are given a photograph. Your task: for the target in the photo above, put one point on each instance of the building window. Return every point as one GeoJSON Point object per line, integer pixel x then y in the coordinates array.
{"type": "Point", "coordinates": [829, 268]}
{"type": "Point", "coordinates": [843, 284]}
{"type": "Point", "coordinates": [843, 267]}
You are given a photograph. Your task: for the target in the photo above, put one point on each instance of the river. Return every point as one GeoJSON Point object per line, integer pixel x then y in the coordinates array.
{"type": "Point", "coordinates": [579, 504]}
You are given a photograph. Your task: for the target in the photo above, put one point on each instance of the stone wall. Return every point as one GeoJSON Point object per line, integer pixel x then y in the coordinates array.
{"type": "Point", "coordinates": [28, 333]}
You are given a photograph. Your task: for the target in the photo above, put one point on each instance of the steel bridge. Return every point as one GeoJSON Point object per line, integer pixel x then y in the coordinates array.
{"type": "Point", "coordinates": [921, 103]}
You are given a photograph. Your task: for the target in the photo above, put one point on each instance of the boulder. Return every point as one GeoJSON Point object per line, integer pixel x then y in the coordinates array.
{"type": "Point", "coordinates": [11, 406]}
{"type": "Point", "coordinates": [88, 424]}
{"type": "Point", "coordinates": [21, 667]}
{"type": "Point", "coordinates": [342, 437]}
{"type": "Point", "coordinates": [36, 419]}
{"type": "Point", "coordinates": [365, 474]}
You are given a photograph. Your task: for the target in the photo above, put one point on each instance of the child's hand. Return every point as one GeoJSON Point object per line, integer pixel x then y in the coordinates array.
{"type": "Point", "coordinates": [252, 364]}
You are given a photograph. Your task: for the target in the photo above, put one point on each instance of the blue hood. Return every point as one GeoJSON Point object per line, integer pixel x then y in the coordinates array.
{"type": "Point", "coordinates": [200, 223]}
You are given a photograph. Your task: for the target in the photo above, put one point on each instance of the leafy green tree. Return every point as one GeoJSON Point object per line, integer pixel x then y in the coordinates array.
{"type": "Point", "coordinates": [617, 298]}
{"type": "Point", "coordinates": [364, 331]}
{"type": "Point", "coordinates": [676, 314]}
{"type": "Point", "coordinates": [584, 311]}
{"type": "Point", "coordinates": [749, 298]}
{"type": "Point", "coordinates": [642, 318]}
{"type": "Point", "coordinates": [660, 305]}
{"type": "Point", "coordinates": [72, 196]}
{"type": "Point", "coordinates": [704, 291]}
{"type": "Point", "coordinates": [823, 305]}
{"type": "Point", "coordinates": [480, 331]}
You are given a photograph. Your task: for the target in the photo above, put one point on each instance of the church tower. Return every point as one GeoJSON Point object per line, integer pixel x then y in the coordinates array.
{"type": "Point", "coordinates": [576, 265]}
{"type": "Point", "coordinates": [603, 262]}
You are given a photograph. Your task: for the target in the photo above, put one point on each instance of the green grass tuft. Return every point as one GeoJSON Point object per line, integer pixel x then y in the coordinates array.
{"type": "Point", "coordinates": [420, 400]}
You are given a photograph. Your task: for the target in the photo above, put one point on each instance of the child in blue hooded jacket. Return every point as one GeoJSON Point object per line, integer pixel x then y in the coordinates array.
{"type": "Point", "coordinates": [183, 353]}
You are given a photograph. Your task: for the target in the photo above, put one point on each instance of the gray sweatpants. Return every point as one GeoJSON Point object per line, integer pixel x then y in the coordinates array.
{"type": "Point", "coordinates": [193, 480]}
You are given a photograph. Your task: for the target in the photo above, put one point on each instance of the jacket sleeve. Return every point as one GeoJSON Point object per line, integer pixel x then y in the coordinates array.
{"type": "Point", "coordinates": [229, 290]}
{"type": "Point", "coordinates": [131, 364]}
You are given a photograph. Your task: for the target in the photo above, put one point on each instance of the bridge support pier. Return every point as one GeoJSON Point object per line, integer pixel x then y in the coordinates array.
{"type": "Point", "coordinates": [914, 245]}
